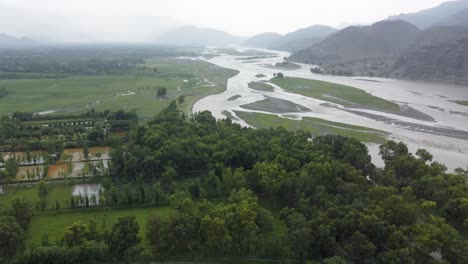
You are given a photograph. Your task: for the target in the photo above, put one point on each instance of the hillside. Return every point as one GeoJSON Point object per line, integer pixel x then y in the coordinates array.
{"type": "Point", "coordinates": [303, 38]}
{"type": "Point", "coordinates": [459, 19]}
{"type": "Point", "coordinates": [440, 54]}
{"type": "Point", "coordinates": [293, 41]}
{"type": "Point", "coordinates": [381, 40]}
{"type": "Point", "coordinates": [263, 40]}
{"type": "Point", "coordinates": [429, 17]}
{"type": "Point", "coordinates": [194, 36]}
{"type": "Point", "coordinates": [11, 41]}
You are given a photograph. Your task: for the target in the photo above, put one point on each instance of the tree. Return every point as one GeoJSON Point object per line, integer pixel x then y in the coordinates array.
{"type": "Point", "coordinates": [11, 236]}
{"type": "Point", "coordinates": [43, 191]}
{"type": "Point", "coordinates": [162, 91]}
{"type": "Point", "coordinates": [280, 75]}
{"type": "Point", "coordinates": [168, 176]}
{"type": "Point", "coordinates": [123, 236]}
{"type": "Point", "coordinates": [11, 167]}
{"type": "Point", "coordinates": [75, 235]}
{"type": "Point", "coordinates": [22, 211]}
{"type": "Point", "coordinates": [299, 233]}
{"type": "Point", "coordinates": [86, 152]}
{"type": "Point", "coordinates": [181, 99]}
{"type": "Point", "coordinates": [155, 233]}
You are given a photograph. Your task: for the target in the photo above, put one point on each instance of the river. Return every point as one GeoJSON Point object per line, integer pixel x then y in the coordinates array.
{"type": "Point", "coordinates": [446, 136]}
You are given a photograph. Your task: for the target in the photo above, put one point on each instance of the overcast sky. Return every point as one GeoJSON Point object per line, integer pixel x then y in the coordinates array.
{"type": "Point", "coordinates": [120, 18]}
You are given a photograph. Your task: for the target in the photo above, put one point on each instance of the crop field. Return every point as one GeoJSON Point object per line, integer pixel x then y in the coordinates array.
{"type": "Point", "coordinates": [76, 94]}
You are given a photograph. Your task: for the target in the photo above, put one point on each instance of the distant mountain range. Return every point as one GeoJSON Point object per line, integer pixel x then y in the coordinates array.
{"type": "Point", "coordinates": [380, 40]}
{"type": "Point", "coordinates": [446, 12]}
{"type": "Point", "coordinates": [293, 41]}
{"type": "Point", "coordinates": [434, 48]}
{"type": "Point", "coordinates": [11, 41]}
{"type": "Point", "coordinates": [194, 36]}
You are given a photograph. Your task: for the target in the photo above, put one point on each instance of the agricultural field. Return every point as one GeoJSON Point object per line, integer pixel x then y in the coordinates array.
{"type": "Point", "coordinates": [77, 94]}
{"type": "Point", "coordinates": [336, 93]}
{"type": "Point", "coordinates": [316, 126]}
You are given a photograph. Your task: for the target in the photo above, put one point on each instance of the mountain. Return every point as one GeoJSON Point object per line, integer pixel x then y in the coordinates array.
{"type": "Point", "coordinates": [194, 36]}
{"type": "Point", "coordinates": [439, 53]}
{"type": "Point", "coordinates": [293, 41]}
{"type": "Point", "coordinates": [263, 40]}
{"type": "Point", "coordinates": [303, 38]}
{"type": "Point", "coordinates": [459, 19]}
{"type": "Point", "coordinates": [429, 17]}
{"type": "Point", "coordinates": [12, 42]}
{"type": "Point", "coordinates": [380, 40]}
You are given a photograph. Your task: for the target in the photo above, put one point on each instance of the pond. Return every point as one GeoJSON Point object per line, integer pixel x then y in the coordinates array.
{"type": "Point", "coordinates": [88, 190]}
{"type": "Point", "coordinates": [62, 170]}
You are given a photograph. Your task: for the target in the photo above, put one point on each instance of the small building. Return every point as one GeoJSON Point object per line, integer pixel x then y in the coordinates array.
{"type": "Point", "coordinates": [1, 189]}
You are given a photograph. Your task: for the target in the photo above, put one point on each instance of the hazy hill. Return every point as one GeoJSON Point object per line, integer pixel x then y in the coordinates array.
{"type": "Point", "coordinates": [293, 41]}
{"type": "Point", "coordinates": [11, 41]}
{"type": "Point", "coordinates": [190, 35]}
{"type": "Point", "coordinates": [459, 19]}
{"type": "Point", "coordinates": [303, 38]}
{"type": "Point", "coordinates": [439, 53]}
{"type": "Point", "coordinates": [263, 40]}
{"type": "Point", "coordinates": [380, 40]}
{"type": "Point", "coordinates": [433, 16]}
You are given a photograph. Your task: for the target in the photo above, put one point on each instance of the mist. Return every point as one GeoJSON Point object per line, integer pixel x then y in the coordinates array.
{"type": "Point", "coordinates": [143, 21]}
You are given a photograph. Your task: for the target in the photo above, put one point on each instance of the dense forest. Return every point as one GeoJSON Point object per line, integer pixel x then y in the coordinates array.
{"type": "Point", "coordinates": [336, 206]}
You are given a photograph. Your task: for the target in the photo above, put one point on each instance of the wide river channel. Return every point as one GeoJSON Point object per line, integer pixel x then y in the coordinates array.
{"type": "Point", "coordinates": [445, 135]}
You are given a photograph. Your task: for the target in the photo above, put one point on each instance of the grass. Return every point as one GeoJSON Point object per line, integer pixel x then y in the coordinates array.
{"type": "Point", "coordinates": [465, 103]}
{"type": "Point", "coordinates": [316, 126]}
{"type": "Point", "coordinates": [260, 86]}
{"type": "Point", "coordinates": [59, 192]}
{"type": "Point", "coordinates": [286, 66]}
{"type": "Point", "coordinates": [336, 93]}
{"type": "Point", "coordinates": [79, 93]}
{"type": "Point", "coordinates": [53, 224]}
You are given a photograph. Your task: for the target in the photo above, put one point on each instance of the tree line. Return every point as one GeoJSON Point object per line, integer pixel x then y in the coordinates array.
{"type": "Point", "coordinates": [274, 194]}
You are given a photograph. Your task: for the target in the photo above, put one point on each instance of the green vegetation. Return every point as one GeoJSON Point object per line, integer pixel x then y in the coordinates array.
{"type": "Point", "coordinates": [261, 86]}
{"type": "Point", "coordinates": [3, 92]}
{"type": "Point", "coordinates": [53, 224]}
{"type": "Point", "coordinates": [316, 126]}
{"type": "Point", "coordinates": [73, 81]}
{"type": "Point", "coordinates": [463, 103]}
{"type": "Point", "coordinates": [75, 94]}
{"type": "Point", "coordinates": [57, 192]}
{"type": "Point", "coordinates": [286, 66]}
{"type": "Point", "coordinates": [336, 93]}
{"type": "Point", "coordinates": [321, 200]}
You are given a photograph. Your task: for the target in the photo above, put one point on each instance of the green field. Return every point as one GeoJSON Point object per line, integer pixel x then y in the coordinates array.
{"type": "Point", "coordinates": [465, 103]}
{"type": "Point", "coordinates": [316, 126]}
{"type": "Point", "coordinates": [59, 192]}
{"type": "Point", "coordinates": [336, 93]}
{"type": "Point", "coordinates": [79, 93]}
{"type": "Point", "coordinates": [260, 86]}
{"type": "Point", "coordinates": [53, 224]}
{"type": "Point", "coordinates": [286, 66]}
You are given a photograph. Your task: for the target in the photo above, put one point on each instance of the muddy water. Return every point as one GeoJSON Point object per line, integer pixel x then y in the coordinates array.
{"type": "Point", "coordinates": [435, 100]}
{"type": "Point", "coordinates": [58, 171]}
{"type": "Point", "coordinates": [77, 153]}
